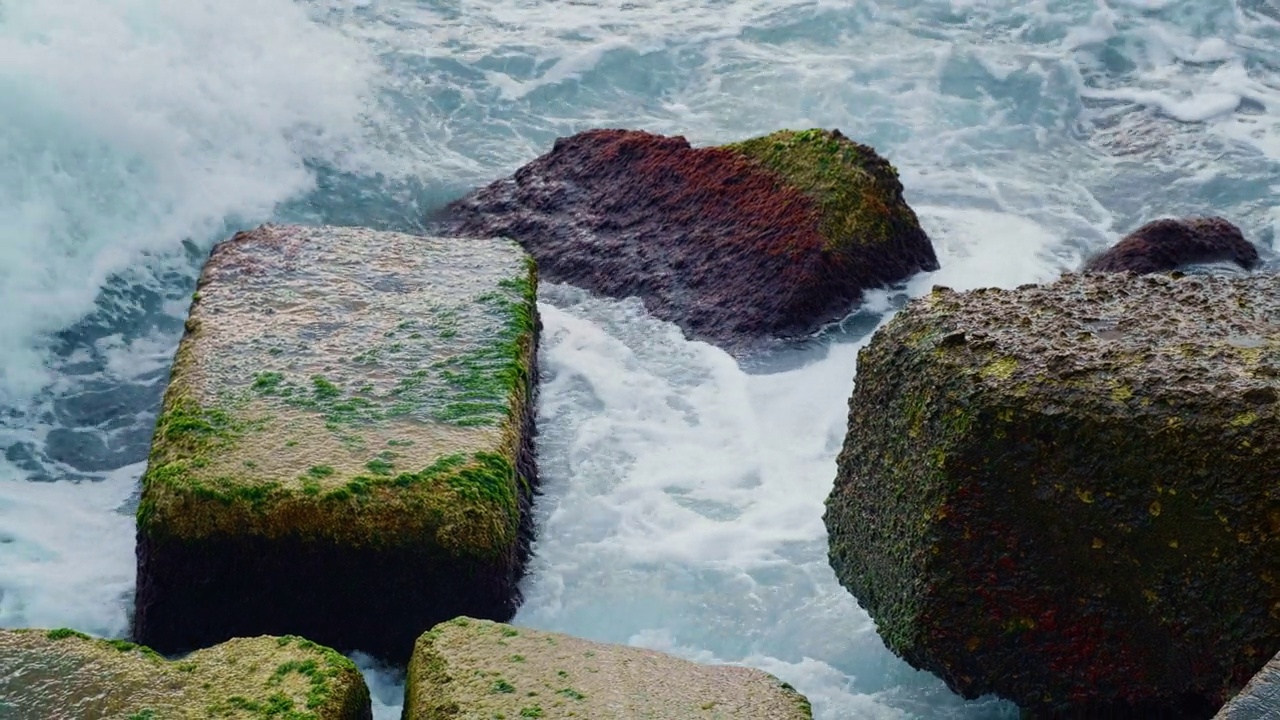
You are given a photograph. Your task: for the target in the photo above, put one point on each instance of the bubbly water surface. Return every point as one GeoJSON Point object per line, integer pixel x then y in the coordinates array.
{"type": "Point", "coordinates": [683, 492]}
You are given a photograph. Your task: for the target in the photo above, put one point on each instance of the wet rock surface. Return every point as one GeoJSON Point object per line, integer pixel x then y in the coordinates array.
{"type": "Point", "coordinates": [345, 449]}
{"type": "Point", "coordinates": [771, 237]}
{"type": "Point", "coordinates": [1169, 244]}
{"type": "Point", "coordinates": [1065, 494]}
{"type": "Point", "coordinates": [477, 669]}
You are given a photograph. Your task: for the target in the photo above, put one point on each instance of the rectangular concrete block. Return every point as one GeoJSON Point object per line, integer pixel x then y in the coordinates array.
{"type": "Point", "coordinates": [345, 447]}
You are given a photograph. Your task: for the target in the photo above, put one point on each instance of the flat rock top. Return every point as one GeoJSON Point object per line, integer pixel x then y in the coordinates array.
{"type": "Point", "coordinates": [468, 668]}
{"type": "Point", "coordinates": [64, 674]}
{"type": "Point", "coordinates": [320, 362]}
{"type": "Point", "coordinates": [1113, 342]}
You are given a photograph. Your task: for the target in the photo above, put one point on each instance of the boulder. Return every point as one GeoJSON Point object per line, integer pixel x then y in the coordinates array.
{"type": "Point", "coordinates": [1168, 244]}
{"type": "Point", "coordinates": [478, 669]}
{"type": "Point", "coordinates": [1066, 494]}
{"type": "Point", "coordinates": [345, 448]}
{"type": "Point", "coordinates": [1260, 699]}
{"type": "Point", "coordinates": [771, 237]}
{"type": "Point", "coordinates": [66, 675]}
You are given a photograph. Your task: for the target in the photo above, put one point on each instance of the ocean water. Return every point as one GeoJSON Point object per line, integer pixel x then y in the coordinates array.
{"type": "Point", "coordinates": [683, 490]}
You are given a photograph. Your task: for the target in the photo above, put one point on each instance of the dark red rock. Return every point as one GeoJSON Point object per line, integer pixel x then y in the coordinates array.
{"type": "Point", "coordinates": [772, 237]}
{"type": "Point", "coordinates": [1168, 244]}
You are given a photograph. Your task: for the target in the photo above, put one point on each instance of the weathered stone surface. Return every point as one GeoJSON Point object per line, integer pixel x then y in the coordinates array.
{"type": "Point", "coordinates": [1260, 699]}
{"type": "Point", "coordinates": [345, 447]}
{"type": "Point", "coordinates": [1168, 244]}
{"type": "Point", "coordinates": [64, 675]}
{"type": "Point", "coordinates": [468, 668]}
{"type": "Point", "coordinates": [1066, 495]}
{"type": "Point", "coordinates": [771, 237]}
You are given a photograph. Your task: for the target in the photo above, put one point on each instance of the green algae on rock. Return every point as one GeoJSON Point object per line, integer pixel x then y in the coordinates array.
{"type": "Point", "coordinates": [469, 668]}
{"type": "Point", "coordinates": [1066, 494]}
{"type": "Point", "coordinates": [345, 447]}
{"type": "Point", "coordinates": [858, 194]}
{"type": "Point", "coordinates": [64, 674]}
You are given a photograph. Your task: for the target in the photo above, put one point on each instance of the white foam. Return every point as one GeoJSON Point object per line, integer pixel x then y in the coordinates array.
{"type": "Point", "coordinates": [129, 125]}
{"type": "Point", "coordinates": [1101, 27]}
{"type": "Point", "coordinates": [386, 686]}
{"type": "Point", "coordinates": [1195, 107]}
{"type": "Point", "coordinates": [135, 357]}
{"type": "Point", "coordinates": [985, 249]}
{"type": "Point", "coordinates": [684, 498]}
{"type": "Point", "coordinates": [1202, 72]}
{"type": "Point", "coordinates": [66, 553]}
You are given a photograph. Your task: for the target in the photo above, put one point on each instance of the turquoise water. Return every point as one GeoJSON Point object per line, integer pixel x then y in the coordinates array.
{"type": "Point", "coordinates": [683, 492]}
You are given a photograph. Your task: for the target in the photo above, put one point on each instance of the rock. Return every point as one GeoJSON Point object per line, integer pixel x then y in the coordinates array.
{"type": "Point", "coordinates": [63, 674]}
{"type": "Point", "coordinates": [772, 237]}
{"type": "Point", "coordinates": [1066, 494]}
{"type": "Point", "coordinates": [345, 449]}
{"type": "Point", "coordinates": [473, 668]}
{"type": "Point", "coordinates": [1260, 699]}
{"type": "Point", "coordinates": [1168, 244]}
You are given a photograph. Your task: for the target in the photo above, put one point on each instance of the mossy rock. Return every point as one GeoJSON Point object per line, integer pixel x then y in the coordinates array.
{"type": "Point", "coordinates": [66, 674]}
{"type": "Point", "coordinates": [768, 238]}
{"type": "Point", "coordinates": [468, 668]}
{"type": "Point", "coordinates": [1259, 700]}
{"type": "Point", "coordinates": [345, 449]}
{"type": "Point", "coordinates": [857, 192]}
{"type": "Point", "coordinates": [1066, 494]}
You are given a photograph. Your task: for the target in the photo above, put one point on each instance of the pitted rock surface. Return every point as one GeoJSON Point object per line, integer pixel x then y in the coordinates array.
{"type": "Point", "coordinates": [1065, 494]}
{"type": "Point", "coordinates": [771, 237]}
{"type": "Point", "coordinates": [1169, 244]}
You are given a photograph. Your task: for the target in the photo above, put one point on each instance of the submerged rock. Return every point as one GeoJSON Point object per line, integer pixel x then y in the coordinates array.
{"type": "Point", "coordinates": [473, 668]}
{"type": "Point", "coordinates": [771, 237]}
{"type": "Point", "coordinates": [1169, 244]}
{"type": "Point", "coordinates": [53, 674]}
{"type": "Point", "coordinates": [1066, 494]}
{"type": "Point", "coordinates": [345, 449]}
{"type": "Point", "coordinates": [1260, 699]}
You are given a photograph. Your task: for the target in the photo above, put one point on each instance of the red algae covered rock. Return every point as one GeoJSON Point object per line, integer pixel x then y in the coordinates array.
{"type": "Point", "coordinates": [1066, 495]}
{"type": "Point", "coordinates": [1168, 244]}
{"type": "Point", "coordinates": [771, 237]}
